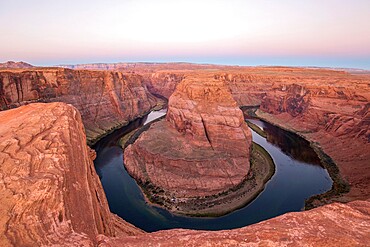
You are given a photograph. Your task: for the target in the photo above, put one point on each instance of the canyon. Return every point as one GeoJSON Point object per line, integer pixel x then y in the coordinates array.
{"type": "Point", "coordinates": [52, 195]}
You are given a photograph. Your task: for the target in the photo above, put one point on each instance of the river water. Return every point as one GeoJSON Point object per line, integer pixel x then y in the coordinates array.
{"type": "Point", "coordinates": [298, 176]}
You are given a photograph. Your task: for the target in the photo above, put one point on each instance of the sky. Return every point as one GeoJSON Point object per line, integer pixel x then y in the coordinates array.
{"type": "Point", "coordinates": [327, 33]}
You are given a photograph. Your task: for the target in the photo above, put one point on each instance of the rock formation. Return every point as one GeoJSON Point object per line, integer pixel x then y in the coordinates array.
{"type": "Point", "coordinates": [336, 224]}
{"type": "Point", "coordinates": [202, 148]}
{"type": "Point", "coordinates": [105, 99]}
{"type": "Point", "coordinates": [50, 193]}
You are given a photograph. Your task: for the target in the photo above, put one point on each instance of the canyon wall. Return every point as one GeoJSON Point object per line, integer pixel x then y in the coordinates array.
{"type": "Point", "coordinates": [105, 99]}
{"type": "Point", "coordinates": [50, 193]}
{"type": "Point", "coordinates": [334, 114]}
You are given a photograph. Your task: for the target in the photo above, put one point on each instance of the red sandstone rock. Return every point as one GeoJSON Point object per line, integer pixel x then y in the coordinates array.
{"type": "Point", "coordinates": [50, 193]}
{"type": "Point", "coordinates": [105, 99]}
{"type": "Point", "coordinates": [331, 225]}
{"type": "Point", "coordinates": [201, 149]}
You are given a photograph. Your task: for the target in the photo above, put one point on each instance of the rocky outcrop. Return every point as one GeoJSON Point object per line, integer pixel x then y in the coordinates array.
{"type": "Point", "coordinates": [330, 225]}
{"type": "Point", "coordinates": [204, 144]}
{"type": "Point", "coordinates": [105, 99]}
{"type": "Point", "coordinates": [50, 193]}
{"type": "Point", "coordinates": [15, 65]}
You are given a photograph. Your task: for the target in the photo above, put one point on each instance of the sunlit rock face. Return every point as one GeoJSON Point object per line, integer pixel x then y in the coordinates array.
{"type": "Point", "coordinates": [50, 192]}
{"type": "Point", "coordinates": [203, 146]}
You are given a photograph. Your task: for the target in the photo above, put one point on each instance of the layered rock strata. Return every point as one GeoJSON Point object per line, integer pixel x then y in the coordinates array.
{"type": "Point", "coordinates": [50, 192]}
{"type": "Point", "coordinates": [201, 149]}
{"type": "Point", "coordinates": [105, 99]}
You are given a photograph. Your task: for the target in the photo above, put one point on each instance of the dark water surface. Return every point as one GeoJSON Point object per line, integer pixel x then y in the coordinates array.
{"type": "Point", "coordinates": [298, 176]}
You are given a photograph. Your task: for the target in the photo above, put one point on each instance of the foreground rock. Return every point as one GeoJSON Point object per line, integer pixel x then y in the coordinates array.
{"type": "Point", "coordinates": [49, 191]}
{"type": "Point", "coordinates": [202, 149]}
{"type": "Point", "coordinates": [105, 99]}
{"type": "Point", "coordinates": [331, 225]}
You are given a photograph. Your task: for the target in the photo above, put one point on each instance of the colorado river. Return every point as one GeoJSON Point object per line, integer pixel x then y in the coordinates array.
{"type": "Point", "coordinates": [298, 176]}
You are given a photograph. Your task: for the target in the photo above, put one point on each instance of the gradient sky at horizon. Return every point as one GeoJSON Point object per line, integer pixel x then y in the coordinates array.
{"type": "Point", "coordinates": [332, 33]}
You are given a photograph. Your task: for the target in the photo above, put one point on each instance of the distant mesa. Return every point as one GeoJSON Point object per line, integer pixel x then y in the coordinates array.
{"type": "Point", "coordinates": [15, 65]}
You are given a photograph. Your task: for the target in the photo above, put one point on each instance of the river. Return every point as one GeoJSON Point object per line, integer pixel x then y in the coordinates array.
{"type": "Point", "coordinates": [298, 176]}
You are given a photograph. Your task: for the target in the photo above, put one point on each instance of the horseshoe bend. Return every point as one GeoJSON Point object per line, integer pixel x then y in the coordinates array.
{"type": "Point", "coordinates": [195, 161]}
{"type": "Point", "coordinates": [199, 156]}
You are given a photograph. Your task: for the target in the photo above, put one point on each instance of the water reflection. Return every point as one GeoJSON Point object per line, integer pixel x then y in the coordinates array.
{"type": "Point", "coordinates": [289, 143]}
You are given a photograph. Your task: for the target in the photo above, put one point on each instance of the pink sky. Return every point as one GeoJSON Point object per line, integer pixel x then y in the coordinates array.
{"type": "Point", "coordinates": [72, 31]}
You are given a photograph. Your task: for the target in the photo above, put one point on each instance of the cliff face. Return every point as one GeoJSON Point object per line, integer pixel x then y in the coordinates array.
{"type": "Point", "coordinates": [337, 117]}
{"type": "Point", "coordinates": [105, 99]}
{"type": "Point", "coordinates": [50, 193]}
{"type": "Point", "coordinates": [204, 144]}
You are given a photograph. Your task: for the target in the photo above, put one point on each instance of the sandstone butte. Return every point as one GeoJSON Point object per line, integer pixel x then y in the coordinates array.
{"type": "Point", "coordinates": [204, 145]}
{"type": "Point", "coordinates": [328, 107]}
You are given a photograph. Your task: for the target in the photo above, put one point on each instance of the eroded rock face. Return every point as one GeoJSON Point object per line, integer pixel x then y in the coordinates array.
{"type": "Point", "coordinates": [331, 225]}
{"type": "Point", "coordinates": [201, 149]}
{"type": "Point", "coordinates": [336, 117]}
{"type": "Point", "coordinates": [105, 99]}
{"type": "Point", "coordinates": [50, 193]}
